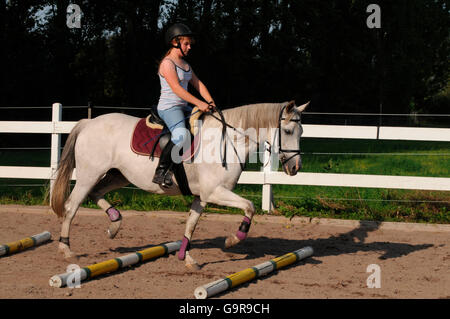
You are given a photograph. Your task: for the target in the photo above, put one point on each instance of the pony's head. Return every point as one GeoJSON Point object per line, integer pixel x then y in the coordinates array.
{"type": "Point", "coordinates": [289, 133]}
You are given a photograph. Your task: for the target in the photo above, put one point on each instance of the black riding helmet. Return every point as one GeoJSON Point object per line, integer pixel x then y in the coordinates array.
{"type": "Point", "coordinates": [177, 30]}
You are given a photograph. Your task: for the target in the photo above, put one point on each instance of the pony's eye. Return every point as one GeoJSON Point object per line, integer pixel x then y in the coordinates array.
{"type": "Point", "coordinates": [288, 132]}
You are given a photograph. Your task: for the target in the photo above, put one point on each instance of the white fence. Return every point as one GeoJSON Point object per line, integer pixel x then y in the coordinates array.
{"type": "Point", "coordinates": [267, 177]}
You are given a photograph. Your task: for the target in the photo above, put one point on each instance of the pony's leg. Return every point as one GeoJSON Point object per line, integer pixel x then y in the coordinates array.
{"type": "Point", "coordinates": [112, 180]}
{"type": "Point", "coordinates": [79, 193]}
{"type": "Point", "coordinates": [194, 215]}
{"type": "Point", "coordinates": [225, 197]}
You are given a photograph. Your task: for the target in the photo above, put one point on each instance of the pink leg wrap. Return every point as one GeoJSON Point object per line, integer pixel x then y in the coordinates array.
{"type": "Point", "coordinates": [243, 229]}
{"type": "Point", "coordinates": [184, 247]}
{"type": "Point", "coordinates": [113, 214]}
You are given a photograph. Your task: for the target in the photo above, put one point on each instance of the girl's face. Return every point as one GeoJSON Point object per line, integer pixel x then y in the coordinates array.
{"type": "Point", "coordinates": [185, 43]}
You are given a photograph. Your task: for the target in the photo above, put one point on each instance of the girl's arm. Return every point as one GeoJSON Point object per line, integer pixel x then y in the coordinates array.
{"type": "Point", "coordinates": [168, 71]}
{"type": "Point", "coordinates": [201, 88]}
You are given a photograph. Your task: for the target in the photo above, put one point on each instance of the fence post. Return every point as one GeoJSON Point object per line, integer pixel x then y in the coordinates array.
{"type": "Point", "coordinates": [56, 144]}
{"type": "Point", "coordinates": [267, 195]}
{"type": "Point", "coordinates": [89, 110]}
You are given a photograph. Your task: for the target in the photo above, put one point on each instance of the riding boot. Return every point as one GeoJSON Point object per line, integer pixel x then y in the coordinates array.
{"type": "Point", "coordinates": [163, 173]}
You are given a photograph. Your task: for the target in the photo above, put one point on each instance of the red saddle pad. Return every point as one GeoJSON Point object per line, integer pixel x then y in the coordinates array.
{"type": "Point", "coordinates": [144, 138]}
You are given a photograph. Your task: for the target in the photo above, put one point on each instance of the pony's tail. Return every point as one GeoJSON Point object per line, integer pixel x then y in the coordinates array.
{"type": "Point", "coordinates": [61, 186]}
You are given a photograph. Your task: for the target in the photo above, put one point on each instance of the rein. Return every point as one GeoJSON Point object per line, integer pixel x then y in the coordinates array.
{"type": "Point", "coordinates": [224, 132]}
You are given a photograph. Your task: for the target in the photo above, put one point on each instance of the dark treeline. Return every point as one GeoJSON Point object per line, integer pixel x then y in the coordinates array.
{"type": "Point", "coordinates": [246, 52]}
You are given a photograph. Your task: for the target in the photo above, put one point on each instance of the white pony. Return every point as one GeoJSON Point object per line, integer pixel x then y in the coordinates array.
{"type": "Point", "coordinates": [99, 148]}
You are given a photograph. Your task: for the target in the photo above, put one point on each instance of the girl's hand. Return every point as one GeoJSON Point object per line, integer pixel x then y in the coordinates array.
{"type": "Point", "coordinates": [212, 103]}
{"type": "Point", "coordinates": [204, 107]}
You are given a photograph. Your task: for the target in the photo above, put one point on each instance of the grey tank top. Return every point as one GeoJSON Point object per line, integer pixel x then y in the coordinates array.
{"type": "Point", "coordinates": [168, 98]}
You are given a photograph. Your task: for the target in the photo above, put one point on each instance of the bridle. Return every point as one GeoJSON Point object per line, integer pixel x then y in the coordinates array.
{"type": "Point", "coordinates": [284, 159]}
{"type": "Point", "coordinates": [281, 150]}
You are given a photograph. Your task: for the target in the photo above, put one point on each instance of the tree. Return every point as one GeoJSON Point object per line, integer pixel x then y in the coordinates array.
{"type": "Point", "coordinates": [246, 52]}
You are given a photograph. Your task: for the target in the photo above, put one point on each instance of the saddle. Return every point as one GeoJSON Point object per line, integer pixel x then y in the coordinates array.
{"type": "Point", "coordinates": [151, 135]}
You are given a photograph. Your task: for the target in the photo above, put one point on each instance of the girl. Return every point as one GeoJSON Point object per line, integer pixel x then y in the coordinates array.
{"type": "Point", "coordinates": [175, 74]}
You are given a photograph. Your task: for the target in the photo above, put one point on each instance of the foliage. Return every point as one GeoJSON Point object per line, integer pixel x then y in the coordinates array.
{"type": "Point", "coordinates": [246, 51]}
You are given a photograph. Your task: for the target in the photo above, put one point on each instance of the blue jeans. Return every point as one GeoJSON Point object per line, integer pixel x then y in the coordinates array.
{"type": "Point", "coordinates": [175, 120]}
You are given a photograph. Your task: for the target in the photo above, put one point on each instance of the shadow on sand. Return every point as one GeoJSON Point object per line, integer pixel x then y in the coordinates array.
{"type": "Point", "coordinates": [346, 243]}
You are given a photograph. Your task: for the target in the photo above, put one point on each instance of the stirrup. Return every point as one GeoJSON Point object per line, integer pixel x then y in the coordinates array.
{"type": "Point", "coordinates": [158, 178]}
{"type": "Point", "coordinates": [167, 181]}
{"type": "Point", "coordinates": [163, 179]}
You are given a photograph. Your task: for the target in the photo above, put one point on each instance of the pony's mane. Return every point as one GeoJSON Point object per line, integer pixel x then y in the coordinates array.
{"type": "Point", "coordinates": [261, 115]}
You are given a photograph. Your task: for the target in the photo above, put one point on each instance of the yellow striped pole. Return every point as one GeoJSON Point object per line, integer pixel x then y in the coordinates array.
{"type": "Point", "coordinates": [113, 264]}
{"type": "Point", "coordinates": [248, 274]}
{"type": "Point", "coordinates": [25, 243]}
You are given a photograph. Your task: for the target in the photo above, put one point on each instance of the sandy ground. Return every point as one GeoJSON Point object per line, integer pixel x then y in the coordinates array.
{"type": "Point", "coordinates": [413, 263]}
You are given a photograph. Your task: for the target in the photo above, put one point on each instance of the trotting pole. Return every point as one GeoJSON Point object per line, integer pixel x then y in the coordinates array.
{"type": "Point", "coordinates": [114, 264]}
{"type": "Point", "coordinates": [248, 274]}
{"type": "Point", "coordinates": [25, 243]}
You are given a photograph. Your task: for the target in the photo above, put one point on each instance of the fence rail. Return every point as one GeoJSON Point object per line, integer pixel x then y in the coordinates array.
{"type": "Point", "coordinates": [267, 177]}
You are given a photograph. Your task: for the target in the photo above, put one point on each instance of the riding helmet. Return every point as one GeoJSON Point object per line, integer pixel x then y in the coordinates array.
{"type": "Point", "coordinates": [177, 30]}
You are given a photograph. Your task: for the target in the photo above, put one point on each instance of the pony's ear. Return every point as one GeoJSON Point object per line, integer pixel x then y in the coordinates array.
{"type": "Point", "coordinates": [301, 108]}
{"type": "Point", "coordinates": [290, 106]}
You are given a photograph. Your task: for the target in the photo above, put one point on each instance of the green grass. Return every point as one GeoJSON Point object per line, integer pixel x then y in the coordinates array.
{"type": "Point", "coordinates": [410, 159]}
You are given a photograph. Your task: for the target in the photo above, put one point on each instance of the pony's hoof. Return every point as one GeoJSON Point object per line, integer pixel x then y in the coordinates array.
{"type": "Point", "coordinates": [114, 229]}
{"type": "Point", "coordinates": [231, 241]}
{"type": "Point", "coordinates": [193, 267]}
{"type": "Point", "coordinates": [190, 263]}
{"type": "Point", "coordinates": [65, 251]}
